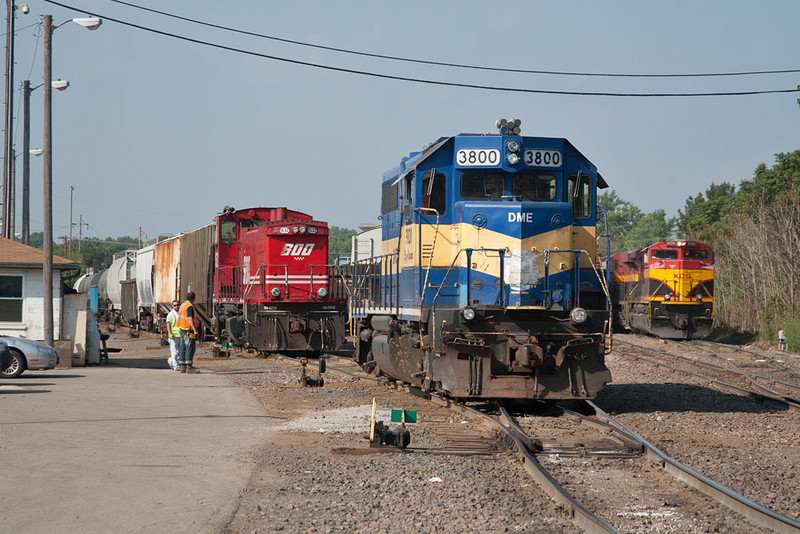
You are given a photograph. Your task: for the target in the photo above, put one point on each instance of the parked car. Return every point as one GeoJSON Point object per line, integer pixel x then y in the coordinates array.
{"type": "Point", "coordinates": [27, 354]}
{"type": "Point", "coordinates": [5, 357]}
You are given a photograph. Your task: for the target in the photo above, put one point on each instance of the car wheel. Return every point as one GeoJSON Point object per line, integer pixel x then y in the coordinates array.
{"type": "Point", "coordinates": [17, 365]}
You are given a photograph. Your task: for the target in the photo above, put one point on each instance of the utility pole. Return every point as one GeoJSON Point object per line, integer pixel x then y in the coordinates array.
{"type": "Point", "coordinates": [71, 189]}
{"type": "Point", "coordinates": [9, 118]}
{"type": "Point", "coordinates": [140, 237]}
{"type": "Point", "coordinates": [80, 232]}
{"type": "Point", "coordinates": [26, 161]}
{"type": "Point", "coordinates": [12, 194]}
{"type": "Point", "coordinates": [47, 182]}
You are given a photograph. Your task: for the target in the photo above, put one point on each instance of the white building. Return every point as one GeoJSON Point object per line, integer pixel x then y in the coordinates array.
{"type": "Point", "coordinates": [21, 291]}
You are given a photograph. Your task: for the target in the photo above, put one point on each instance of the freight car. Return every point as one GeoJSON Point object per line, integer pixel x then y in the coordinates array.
{"type": "Point", "coordinates": [260, 276]}
{"type": "Point", "coordinates": [666, 289]}
{"type": "Point", "coordinates": [486, 284]}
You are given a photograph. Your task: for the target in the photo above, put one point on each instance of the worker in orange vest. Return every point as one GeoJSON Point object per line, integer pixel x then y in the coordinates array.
{"type": "Point", "coordinates": [188, 325]}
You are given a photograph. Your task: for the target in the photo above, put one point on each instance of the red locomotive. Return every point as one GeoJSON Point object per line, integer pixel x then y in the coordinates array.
{"type": "Point", "coordinates": [273, 287]}
{"type": "Point", "coordinates": [260, 275]}
{"type": "Point", "coordinates": [666, 289]}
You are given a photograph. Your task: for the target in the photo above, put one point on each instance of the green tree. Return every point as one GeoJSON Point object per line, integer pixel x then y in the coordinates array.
{"type": "Point", "coordinates": [650, 228]}
{"type": "Point", "coordinates": [702, 216]}
{"type": "Point", "coordinates": [339, 242]}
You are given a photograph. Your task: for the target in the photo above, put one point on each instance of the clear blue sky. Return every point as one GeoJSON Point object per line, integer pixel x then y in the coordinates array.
{"type": "Point", "coordinates": [161, 134]}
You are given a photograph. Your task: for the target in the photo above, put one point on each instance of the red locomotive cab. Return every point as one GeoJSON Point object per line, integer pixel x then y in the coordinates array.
{"type": "Point", "coordinates": [296, 257]}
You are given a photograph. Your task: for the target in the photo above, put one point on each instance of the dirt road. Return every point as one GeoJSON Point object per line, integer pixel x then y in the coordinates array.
{"type": "Point", "coordinates": [125, 447]}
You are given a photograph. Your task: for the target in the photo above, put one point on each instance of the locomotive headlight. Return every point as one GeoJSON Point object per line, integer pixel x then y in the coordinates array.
{"type": "Point", "coordinates": [467, 314]}
{"type": "Point", "coordinates": [322, 292]}
{"type": "Point", "coordinates": [302, 229]}
{"type": "Point", "coordinates": [667, 297]}
{"type": "Point", "coordinates": [699, 297]}
{"type": "Point", "coordinates": [275, 292]}
{"type": "Point", "coordinates": [294, 229]}
{"type": "Point", "coordinates": [578, 315]}
{"type": "Point", "coordinates": [512, 146]}
{"type": "Point", "coordinates": [512, 158]}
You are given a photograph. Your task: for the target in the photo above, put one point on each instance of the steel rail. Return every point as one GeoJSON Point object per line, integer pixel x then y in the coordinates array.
{"type": "Point", "coordinates": [767, 357]}
{"type": "Point", "coordinates": [578, 514]}
{"type": "Point", "coordinates": [782, 400]}
{"type": "Point", "coordinates": [758, 514]}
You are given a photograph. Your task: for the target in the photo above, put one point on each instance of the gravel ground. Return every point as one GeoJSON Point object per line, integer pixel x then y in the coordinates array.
{"type": "Point", "coordinates": [301, 485]}
{"type": "Point", "coordinates": [743, 444]}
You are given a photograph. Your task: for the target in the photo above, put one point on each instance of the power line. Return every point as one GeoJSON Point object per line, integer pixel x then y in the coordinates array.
{"type": "Point", "coordinates": [415, 80]}
{"type": "Point", "coordinates": [446, 64]}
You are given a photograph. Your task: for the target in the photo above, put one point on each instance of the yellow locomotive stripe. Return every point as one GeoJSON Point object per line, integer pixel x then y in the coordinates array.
{"type": "Point", "coordinates": [451, 241]}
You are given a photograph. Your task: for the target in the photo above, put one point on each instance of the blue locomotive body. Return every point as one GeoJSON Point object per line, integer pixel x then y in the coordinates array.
{"type": "Point", "coordinates": [486, 285]}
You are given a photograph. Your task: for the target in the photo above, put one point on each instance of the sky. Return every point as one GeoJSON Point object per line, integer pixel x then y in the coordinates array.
{"type": "Point", "coordinates": [157, 134]}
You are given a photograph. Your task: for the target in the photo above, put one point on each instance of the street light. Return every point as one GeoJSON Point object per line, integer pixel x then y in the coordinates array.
{"type": "Point", "coordinates": [27, 152]}
{"type": "Point", "coordinates": [91, 23]}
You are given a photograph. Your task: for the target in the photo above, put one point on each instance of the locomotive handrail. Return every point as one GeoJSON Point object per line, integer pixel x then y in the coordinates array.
{"type": "Point", "coordinates": [385, 279]}
{"type": "Point", "coordinates": [469, 252]}
{"type": "Point", "coordinates": [422, 210]}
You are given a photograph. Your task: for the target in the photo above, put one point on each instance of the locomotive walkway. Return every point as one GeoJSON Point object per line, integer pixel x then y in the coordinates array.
{"type": "Point", "coordinates": [125, 447]}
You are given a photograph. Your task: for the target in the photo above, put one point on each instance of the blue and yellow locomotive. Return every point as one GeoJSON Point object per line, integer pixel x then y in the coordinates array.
{"type": "Point", "coordinates": [487, 283]}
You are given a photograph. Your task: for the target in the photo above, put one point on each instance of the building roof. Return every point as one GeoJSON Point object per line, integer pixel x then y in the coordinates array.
{"type": "Point", "coordinates": [14, 254]}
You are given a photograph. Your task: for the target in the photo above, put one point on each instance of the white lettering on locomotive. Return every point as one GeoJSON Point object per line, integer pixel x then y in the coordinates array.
{"type": "Point", "coordinates": [297, 249]}
{"type": "Point", "coordinates": [520, 217]}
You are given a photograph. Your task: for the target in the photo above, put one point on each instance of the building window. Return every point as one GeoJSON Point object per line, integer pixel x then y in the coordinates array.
{"type": "Point", "coordinates": [10, 299]}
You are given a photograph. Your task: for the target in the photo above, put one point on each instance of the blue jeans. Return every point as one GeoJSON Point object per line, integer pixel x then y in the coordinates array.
{"type": "Point", "coordinates": [186, 348]}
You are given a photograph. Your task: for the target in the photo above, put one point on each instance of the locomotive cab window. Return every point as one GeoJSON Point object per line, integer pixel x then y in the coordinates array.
{"type": "Point", "coordinates": [534, 186]}
{"type": "Point", "coordinates": [434, 192]}
{"type": "Point", "coordinates": [579, 193]}
{"type": "Point", "coordinates": [227, 231]}
{"type": "Point", "coordinates": [696, 254]}
{"type": "Point", "coordinates": [663, 254]}
{"type": "Point", "coordinates": [477, 186]}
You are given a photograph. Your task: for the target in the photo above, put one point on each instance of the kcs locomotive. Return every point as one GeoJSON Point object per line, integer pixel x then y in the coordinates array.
{"type": "Point", "coordinates": [666, 289]}
{"type": "Point", "coordinates": [486, 284]}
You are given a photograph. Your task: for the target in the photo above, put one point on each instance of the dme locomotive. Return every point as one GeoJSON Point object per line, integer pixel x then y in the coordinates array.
{"type": "Point", "coordinates": [260, 275]}
{"type": "Point", "coordinates": [486, 284]}
{"type": "Point", "coordinates": [666, 289]}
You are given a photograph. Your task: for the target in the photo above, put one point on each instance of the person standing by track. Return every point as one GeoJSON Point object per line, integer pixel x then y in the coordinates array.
{"type": "Point", "coordinates": [188, 324]}
{"type": "Point", "coordinates": [174, 336]}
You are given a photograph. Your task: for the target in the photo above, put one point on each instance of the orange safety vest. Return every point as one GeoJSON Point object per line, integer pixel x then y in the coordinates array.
{"type": "Point", "coordinates": [183, 317]}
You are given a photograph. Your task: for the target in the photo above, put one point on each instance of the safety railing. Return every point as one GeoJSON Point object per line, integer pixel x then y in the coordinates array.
{"type": "Point", "coordinates": [375, 285]}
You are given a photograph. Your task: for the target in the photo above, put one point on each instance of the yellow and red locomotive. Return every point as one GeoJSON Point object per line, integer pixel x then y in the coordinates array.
{"type": "Point", "coordinates": [666, 289]}
{"type": "Point", "coordinates": [274, 289]}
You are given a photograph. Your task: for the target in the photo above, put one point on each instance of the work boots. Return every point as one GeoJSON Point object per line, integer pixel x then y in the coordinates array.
{"type": "Point", "coordinates": [192, 369]}
{"type": "Point", "coordinates": [183, 368]}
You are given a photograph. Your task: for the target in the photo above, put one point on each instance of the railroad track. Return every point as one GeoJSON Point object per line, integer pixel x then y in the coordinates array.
{"type": "Point", "coordinates": [602, 438]}
{"type": "Point", "coordinates": [718, 372]}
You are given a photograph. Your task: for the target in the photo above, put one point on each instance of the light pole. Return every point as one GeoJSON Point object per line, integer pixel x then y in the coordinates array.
{"type": "Point", "coordinates": [61, 85]}
{"type": "Point", "coordinates": [8, 126]}
{"type": "Point", "coordinates": [91, 23]}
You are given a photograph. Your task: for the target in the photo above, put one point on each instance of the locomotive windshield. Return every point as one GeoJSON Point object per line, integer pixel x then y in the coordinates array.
{"type": "Point", "coordinates": [477, 186]}
{"type": "Point", "coordinates": [227, 231]}
{"type": "Point", "coordinates": [664, 254]}
{"type": "Point", "coordinates": [534, 187]}
{"type": "Point", "coordinates": [695, 254]}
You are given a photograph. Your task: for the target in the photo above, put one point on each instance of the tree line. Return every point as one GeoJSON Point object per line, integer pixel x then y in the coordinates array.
{"type": "Point", "coordinates": [754, 231]}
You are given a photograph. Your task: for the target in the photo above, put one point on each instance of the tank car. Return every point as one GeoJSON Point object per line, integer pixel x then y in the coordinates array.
{"type": "Point", "coordinates": [666, 289]}
{"type": "Point", "coordinates": [487, 284]}
{"type": "Point", "coordinates": [274, 289]}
